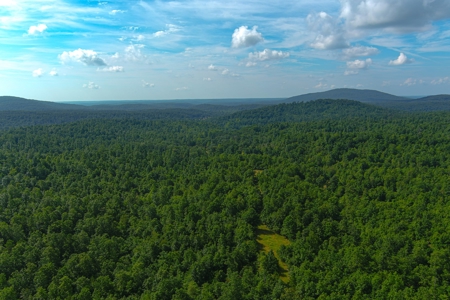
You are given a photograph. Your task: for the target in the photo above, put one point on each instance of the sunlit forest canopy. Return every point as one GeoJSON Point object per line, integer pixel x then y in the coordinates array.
{"type": "Point", "coordinates": [355, 199]}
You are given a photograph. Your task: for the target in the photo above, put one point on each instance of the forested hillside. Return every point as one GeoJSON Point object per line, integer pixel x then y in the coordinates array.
{"type": "Point", "coordinates": [129, 208]}
{"type": "Point", "coordinates": [367, 96]}
{"type": "Point", "coordinates": [425, 104]}
{"type": "Point", "coordinates": [322, 109]}
{"type": "Point", "coordinates": [8, 103]}
{"type": "Point", "coordinates": [11, 119]}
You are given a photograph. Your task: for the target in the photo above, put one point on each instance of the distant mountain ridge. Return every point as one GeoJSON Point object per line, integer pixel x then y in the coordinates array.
{"type": "Point", "coordinates": [11, 103]}
{"type": "Point", "coordinates": [428, 103]}
{"type": "Point", "coordinates": [442, 97]}
{"type": "Point", "coordinates": [367, 96]}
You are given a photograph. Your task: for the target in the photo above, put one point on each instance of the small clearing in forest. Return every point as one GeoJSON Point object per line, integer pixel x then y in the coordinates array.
{"type": "Point", "coordinates": [270, 240]}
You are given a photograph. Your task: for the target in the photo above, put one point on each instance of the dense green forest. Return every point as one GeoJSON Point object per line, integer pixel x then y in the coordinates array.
{"type": "Point", "coordinates": [12, 119]}
{"type": "Point", "coordinates": [169, 207]}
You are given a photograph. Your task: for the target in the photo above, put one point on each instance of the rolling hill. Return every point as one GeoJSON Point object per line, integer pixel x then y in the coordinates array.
{"type": "Point", "coordinates": [221, 106]}
{"type": "Point", "coordinates": [429, 103]}
{"type": "Point", "coordinates": [367, 96]}
{"type": "Point", "coordinates": [425, 104]}
{"type": "Point", "coordinates": [9, 103]}
{"type": "Point", "coordinates": [322, 109]}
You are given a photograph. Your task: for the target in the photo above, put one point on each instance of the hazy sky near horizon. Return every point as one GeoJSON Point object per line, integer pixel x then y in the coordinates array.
{"type": "Point", "coordinates": [61, 50]}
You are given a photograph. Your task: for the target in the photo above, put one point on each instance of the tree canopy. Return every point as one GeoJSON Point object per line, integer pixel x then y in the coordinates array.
{"type": "Point", "coordinates": [129, 208]}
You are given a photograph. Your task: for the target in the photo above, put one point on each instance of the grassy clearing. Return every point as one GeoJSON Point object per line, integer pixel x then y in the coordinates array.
{"type": "Point", "coordinates": [270, 240]}
{"type": "Point", "coordinates": [257, 172]}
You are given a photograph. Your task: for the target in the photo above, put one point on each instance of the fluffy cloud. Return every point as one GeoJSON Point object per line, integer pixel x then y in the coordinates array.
{"type": "Point", "coordinates": [353, 67]}
{"type": "Point", "coordinates": [91, 86]}
{"type": "Point", "coordinates": [244, 37]}
{"type": "Point", "coordinates": [87, 57]}
{"type": "Point", "coordinates": [359, 64]}
{"type": "Point", "coordinates": [398, 16]}
{"type": "Point", "coordinates": [139, 38]}
{"type": "Point", "coordinates": [401, 60]}
{"type": "Point", "coordinates": [113, 69]}
{"type": "Point", "coordinates": [38, 73]}
{"type": "Point", "coordinates": [134, 53]}
{"type": "Point", "coordinates": [116, 11]}
{"type": "Point", "coordinates": [170, 29]}
{"type": "Point", "coordinates": [160, 33]}
{"type": "Point", "coordinates": [328, 30]}
{"type": "Point", "coordinates": [34, 30]}
{"type": "Point", "coordinates": [360, 51]}
{"type": "Point", "coordinates": [53, 73]}
{"type": "Point", "coordinates": [212, 68]}
{"type": "Point", "coordinates": [268, 55]}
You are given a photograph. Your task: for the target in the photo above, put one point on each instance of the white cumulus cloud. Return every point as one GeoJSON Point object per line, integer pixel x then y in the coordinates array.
{"type": "Point", "coordinates": [87, 57]}
{"type": "Point", "coordinates": [170, 29]}
{"type": "Point", "coordinates": [329, 32]}
{"type": "Point", "coordinates": [212, 68]}
{"type": "Point", "coordinates": [401, 60]}
{"type": "Point", "coordinates": [353, 67]}
{"type": "Point", "coordinates": [359, 64]}
{"type": "Point", "coordinates": [38, 73]}
{"type": "Point", "coordinates": [116, 11]}
{"type": "Point", "coordinates": [139, 38]}
{"type": "Point", "coordinates": [91, 85]}
{"type": "Point", "coordinates": [134, 53]}
{"type": "Point", "coordinates": [34, 30]}
{"type": "Point", "coordinates": [244, 37]}
{"type": "Point", "coordinates": [53, 73]}
{"type": "Point", "coordinates": [267, 54]}
{"type": "Point", "coordinates": [396, 16]}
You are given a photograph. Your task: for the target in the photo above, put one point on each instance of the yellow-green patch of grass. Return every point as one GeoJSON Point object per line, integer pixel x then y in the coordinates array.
{"type": "Point", "coordinates": [270, 240]}
{"type": "Point", "coordinates": [257, 172]}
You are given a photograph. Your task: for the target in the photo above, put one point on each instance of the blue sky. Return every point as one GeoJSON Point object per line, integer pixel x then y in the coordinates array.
{"type": "Point", "coordinates": [60, 50]}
